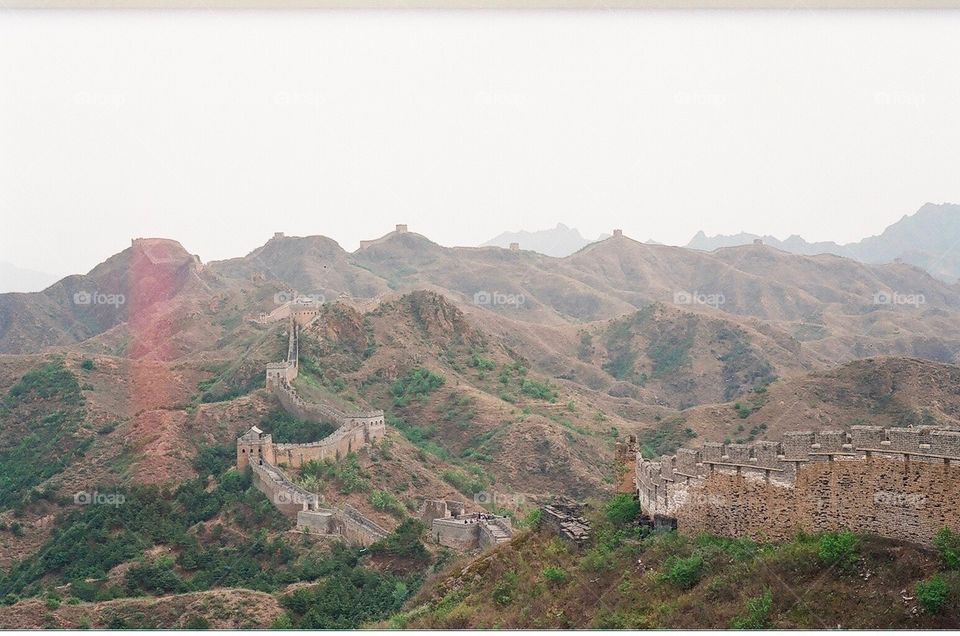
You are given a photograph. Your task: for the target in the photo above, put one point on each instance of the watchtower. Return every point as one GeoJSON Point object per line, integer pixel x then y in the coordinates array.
{"type": "Point", "coordinates": [253, 446]}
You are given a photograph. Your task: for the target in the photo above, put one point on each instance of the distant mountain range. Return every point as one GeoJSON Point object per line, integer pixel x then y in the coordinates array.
{"type": "Point", "coordinates": [929, 239]}
{"type": "Point", "coordinates": [559, 242]}
{"type": "Point", "coordinates": [17, 279]}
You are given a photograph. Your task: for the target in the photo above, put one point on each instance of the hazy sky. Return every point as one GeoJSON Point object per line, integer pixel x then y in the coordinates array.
{"type": "Point", "coordinates": [218, 129]}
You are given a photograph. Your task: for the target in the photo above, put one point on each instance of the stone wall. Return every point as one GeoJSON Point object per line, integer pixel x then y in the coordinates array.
{"type": "Point", "coordinates": [356, 527]}
{"type": "Point", "coordinates": [565, 519]}
{"type": "Point", "coordinates": [289, 498]}
{"type": "Point", "coordinates": [902, 483]}
{"type": "Point", "coordinates": [471, 531]}
{"type": "Point", "coordinates": [460, 534]}
{"type": "Point", "coordinates": [355, 430]}
{"type": "Point", "coordinates": [306, 507]}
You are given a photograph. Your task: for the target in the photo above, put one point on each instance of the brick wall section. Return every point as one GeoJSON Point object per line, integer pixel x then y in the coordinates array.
{"type": "Point", "coordinates": [902, 483]}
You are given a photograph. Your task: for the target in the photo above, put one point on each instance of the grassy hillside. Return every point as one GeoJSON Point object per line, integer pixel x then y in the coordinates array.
{"type": "Point", "coordinates": [631, 578]}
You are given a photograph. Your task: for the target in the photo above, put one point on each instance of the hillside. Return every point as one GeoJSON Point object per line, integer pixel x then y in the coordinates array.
{"type": "Point", "coordinates": [631, 579]}
{"type": "Point", "coordinates": [506, 378]}
{"type": "Point", "coordinates": [875, 391]}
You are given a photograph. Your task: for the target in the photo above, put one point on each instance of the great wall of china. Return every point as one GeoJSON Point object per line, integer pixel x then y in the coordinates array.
{"type": "Point", "coordinates": [901, 483]}
{"type": "Point", "coordinates": [354, 432]}
{"type": "Point", "coordinates": [450, 525]}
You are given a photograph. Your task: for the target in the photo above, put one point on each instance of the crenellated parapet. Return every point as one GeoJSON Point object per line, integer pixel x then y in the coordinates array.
{"type": "Point", "coordinates": [811, 480]}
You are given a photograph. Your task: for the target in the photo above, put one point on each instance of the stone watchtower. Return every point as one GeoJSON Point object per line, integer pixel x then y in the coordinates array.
{"type": "Point", "coordinates": [514, 247]}
{"type": "Point", "coordinates": [401, 228]}
{"type": "Point", "coordinates": [618, 233]}
{"type": "Point", "coordinates": [253, 446]}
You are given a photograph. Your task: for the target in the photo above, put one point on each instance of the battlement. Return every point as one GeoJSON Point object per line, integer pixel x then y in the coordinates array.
{"type": "Point", "coordinates": [470, 531]}
{"type": "Point", "coordinates": [802, 462]}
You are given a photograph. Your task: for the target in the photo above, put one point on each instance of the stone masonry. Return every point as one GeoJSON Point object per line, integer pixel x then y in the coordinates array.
{"type": "Point", "coordinates": [450, 526]}
{"type": "Point", "coordinates": [354, 431]}
{"type": "Point", "coordinates": [901, 483]}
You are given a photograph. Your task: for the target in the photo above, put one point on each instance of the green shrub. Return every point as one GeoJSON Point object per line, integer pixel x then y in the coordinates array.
{"type": "Point", "coordinates": [197, 622]}
{"type": "Point", "coordinates": [282, 622]}
{"type": "Point", "coordinates": [417, 383]}
{"type": "Point", "coordinates": [839, 548]}
{"type": "Point", "coordinates": [555, 574]}
{"type": "Point", "coordinates": [86, 364]}
{"type": "Point", "coordinates": [382, 500]}
{"type": "Point", "coordinates": [287, 429]}
{"type": "Point", "coordinates": [532, 519]}
{"type": "Point", "coordinates": [622, 509]}
{"type": "Point", "coordinates": [404, 541]}
{"type": "Point", "coordinates": [665, 438]}
{"type": "Point", "coordinates": [947, 543]}
{"type": "Point", "coordinates": [932, 593]}
{"type": "Point", "coordinates": [215, 459]}
{"type": "Point", "coordinates": [538, 390]}
{"type": "Point", "coordinates": [478, 362]}
{"type": "Point", "coordinates": [505, 590]}
{"type": "Point", "coordinates": [758, 613]}
{"type": "Point", "coordinates": [683, 572]}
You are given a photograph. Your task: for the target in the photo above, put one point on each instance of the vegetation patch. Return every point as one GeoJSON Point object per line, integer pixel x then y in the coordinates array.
{"type": "Point", "coordinates": [287, 429]}
{"type": "Point", "coordinates": [42, 433]}
{"type": "Point", "coordinates": [416, 384]}
{"type": "Point", "coordinates": [664, 438]}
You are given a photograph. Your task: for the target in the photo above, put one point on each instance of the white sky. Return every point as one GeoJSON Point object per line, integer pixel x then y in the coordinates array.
{"type": "Point", "coordinates": [218, 129]}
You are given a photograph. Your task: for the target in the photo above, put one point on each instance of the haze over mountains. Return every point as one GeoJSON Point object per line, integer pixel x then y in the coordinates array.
{"type": "Point", "coordinates": [929, 238]}
{"type": "Point", "coordinates": [17, 279]}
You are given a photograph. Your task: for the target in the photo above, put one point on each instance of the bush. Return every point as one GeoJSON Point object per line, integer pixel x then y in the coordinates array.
{"type": "Point", "coordinates": [758, 613]}
{"type": "Point", "coordinates": [504, 592]}
{"type": "Point", "coordinates": [838, 548]}
{"type": "Point", "coordinates": [622, 509]}
{"type": "Point", "coordinates": [215, 459]}
{"type": "Point", "coordinates": [947, 543]}
{"type": "Point", "coordinates": [932, 594]}
{"type": "Point", "coordinates": [382, 500]}
{"type": "Point", "coordinates": [554, 574]}
{"type": "Point", "coordinates": [197, 622]}
{"type": "Point", "coordinates": [683, 572]}
{"type": "Point", "coordinates": [538, 390]}
{"type": "Point", "coordinates": [86, 364]}
{"type": "Point", "coordinates": [417, 383]}
{"type": "Point", "coordinates": [157, 577]}
{"type": "Point", "coordinates": [288, 429]}
{"type": "Point", "coordinates": [404, 541]}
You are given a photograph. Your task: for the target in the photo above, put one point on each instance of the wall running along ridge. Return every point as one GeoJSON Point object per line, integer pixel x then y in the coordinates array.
{"type": "Point", "coordinates": [901, 483]}
{"type": "Point", "coordinates": [355, 431]}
